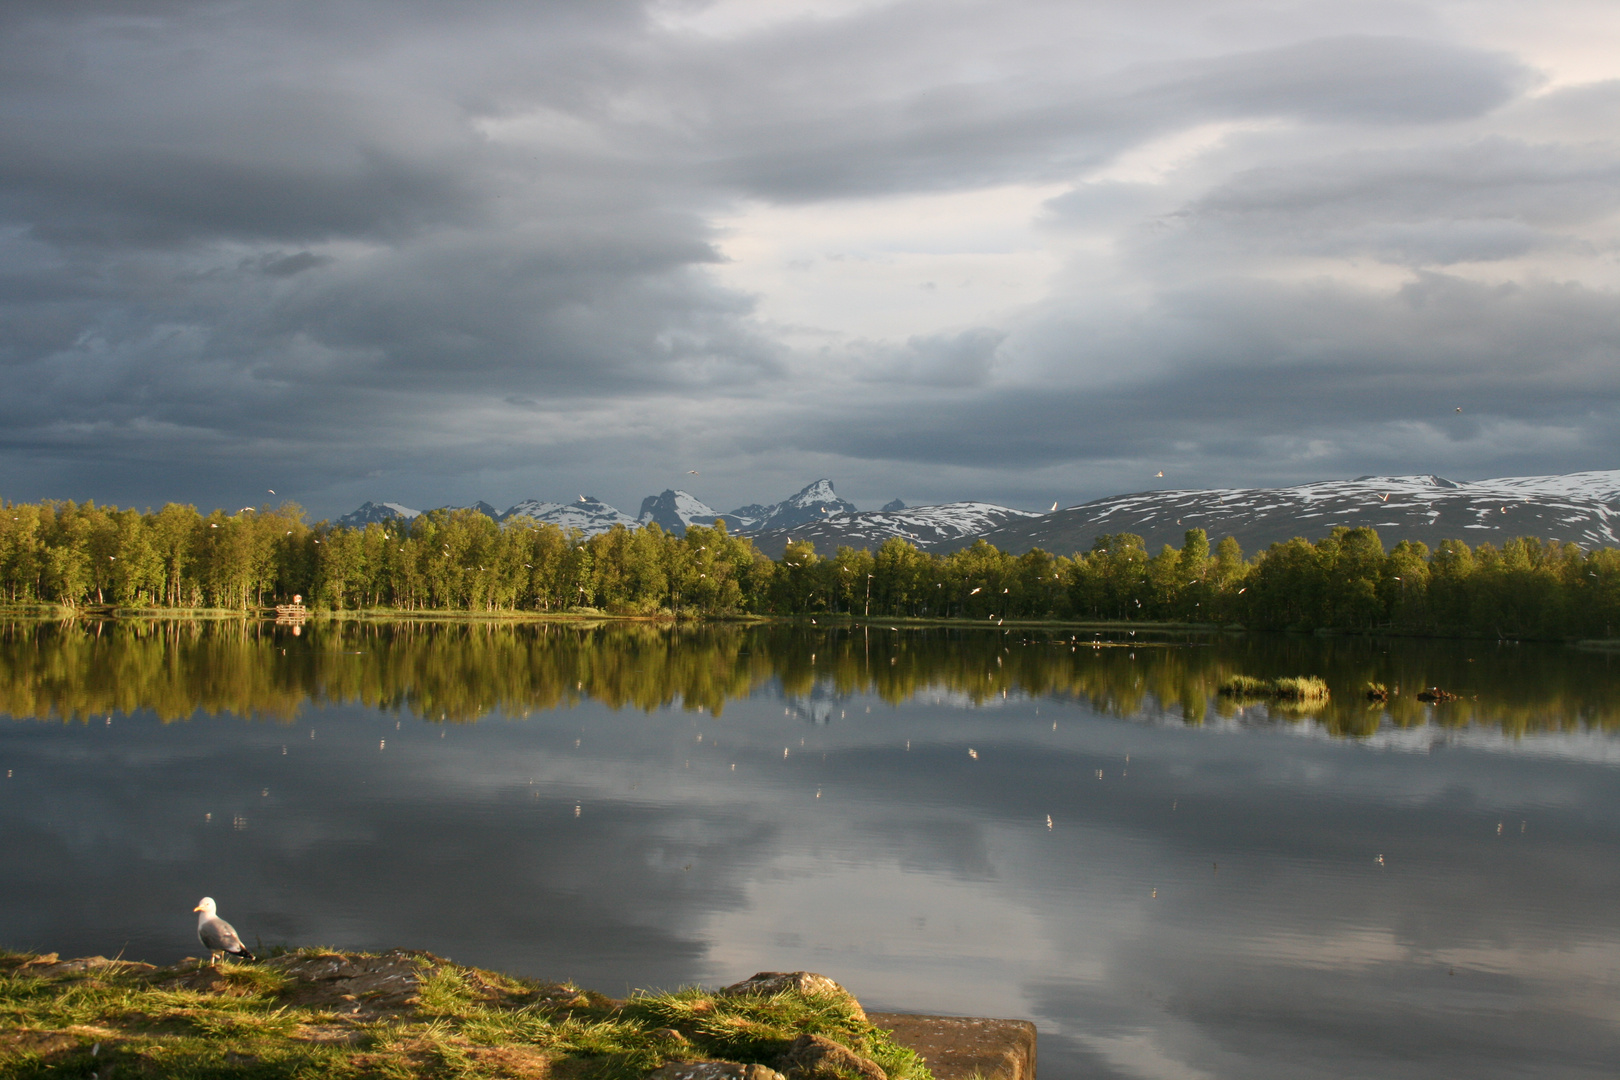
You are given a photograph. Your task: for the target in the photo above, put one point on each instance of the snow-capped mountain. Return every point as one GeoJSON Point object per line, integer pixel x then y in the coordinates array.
{"type": "Point", "coordinates": [947, 525]}
{"type": "Point", "coordinates": [747, 517]}
{"type": "Point", "coordinates": [382, 513]}
{"type": "Point", "coordinates": [1602, 486]}
{"type": "Point", "coordinates": [812, 503]}
{"type": "Point", "coordinates": [1580, 507]}
{"type": "Point", "coordinates": [674, 511]}
{"type": "Point", "coordinates": [588, 514]}
{"type": "Point", "coordinates": [481, 506]}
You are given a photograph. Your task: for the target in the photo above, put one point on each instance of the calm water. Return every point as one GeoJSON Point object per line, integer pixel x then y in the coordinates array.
{"type": "Point", "coordinates": [1080, 833]}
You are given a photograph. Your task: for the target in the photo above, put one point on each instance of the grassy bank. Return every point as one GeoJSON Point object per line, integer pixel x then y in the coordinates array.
{"type": "Point", "coordinates": [317, 1013]}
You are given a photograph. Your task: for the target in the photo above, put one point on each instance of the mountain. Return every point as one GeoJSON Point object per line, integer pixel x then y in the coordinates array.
{"type": "Point", "coordinates": [812, 503]}
{"type": "Point", "coordinates": [382, 513]}
{"type": "Point", "coordinates": [948, 525]}
{"type": "Point", "coordinates": [589, 515]}
{"type": "Point", "coordinates": [674, 511]}
{"type": "Point", "coordinates": [747, 517]}
{"type": "Point", "coordinates": [1580, 507]}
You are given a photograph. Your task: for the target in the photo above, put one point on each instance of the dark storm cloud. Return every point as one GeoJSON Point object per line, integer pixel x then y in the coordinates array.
{"type": "Point", "coordinates": [359, 243]}
{"type": "Point", "coordinates": [1480, 200]}
{"type": "Point", "coordinates": [1370, 374]}
{"type": "Point", "coordinates": [961, 135]}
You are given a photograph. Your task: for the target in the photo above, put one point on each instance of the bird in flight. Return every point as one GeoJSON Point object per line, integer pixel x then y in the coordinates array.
{"type": "Point", "coordinates": [691, 472]}
{"type": "Point", "coordinates": [1160, 473]}
{"type": "Point", "coordinates": [1054, 506]}
{"type": "Point", "coordinates": [1459, 408]}
{"type": "Point", "coordinates": [217, 935]}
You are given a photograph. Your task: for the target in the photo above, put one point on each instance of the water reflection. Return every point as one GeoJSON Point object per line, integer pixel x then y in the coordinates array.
{"type": "Point", "coordinates": [460, 672]}
{"type": "Point", "coordinates": [1072, 829]}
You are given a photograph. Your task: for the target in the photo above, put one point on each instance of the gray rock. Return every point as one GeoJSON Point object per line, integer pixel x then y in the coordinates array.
{"type": "Point", "coordinates": [805, 982]}
{"type": "Point", "coordinates": [713, 1070]}
{"type": "Point", "coordinates": [812, 1057]}
{"type": "Point", "coordinates": [965, 1047]}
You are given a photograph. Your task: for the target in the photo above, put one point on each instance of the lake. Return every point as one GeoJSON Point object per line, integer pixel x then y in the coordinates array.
{"type": "Point", "coordinates": [1068, 827]}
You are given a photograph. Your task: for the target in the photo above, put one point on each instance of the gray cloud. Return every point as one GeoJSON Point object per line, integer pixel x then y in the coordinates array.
{"type": "Point", "coordinates": [390, 246]}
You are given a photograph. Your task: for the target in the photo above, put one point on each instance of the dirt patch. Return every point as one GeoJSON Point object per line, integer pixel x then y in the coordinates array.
{"type": "Point", "coordinates": [48, 1045]}
{"type": "Point", "coordinates": [518, 1062]}
{"type": "Point", "coordinates": [355, 984]}
{"type": "Point", "coordinates": [49, 966]}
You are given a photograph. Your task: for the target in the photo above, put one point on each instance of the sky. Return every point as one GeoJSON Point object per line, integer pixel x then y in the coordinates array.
{"type": "Point", "coordinates": [1011, 250]}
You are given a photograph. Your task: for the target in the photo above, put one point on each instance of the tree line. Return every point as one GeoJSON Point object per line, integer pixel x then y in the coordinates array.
{"type": "Point", "coordinates": [461, 560]}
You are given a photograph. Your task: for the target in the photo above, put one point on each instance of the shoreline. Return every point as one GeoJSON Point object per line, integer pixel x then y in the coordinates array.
{"type": "Point", "coordinates": [114, 613]}
{"type": "Point", "coordinates": [408, 1013]}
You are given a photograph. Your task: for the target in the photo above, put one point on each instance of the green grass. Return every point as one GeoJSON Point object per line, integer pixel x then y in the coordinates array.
{"type": "Point", "coordinates": [410, 1016]}
{"type": "Point", "coordinates": [1294, 689]}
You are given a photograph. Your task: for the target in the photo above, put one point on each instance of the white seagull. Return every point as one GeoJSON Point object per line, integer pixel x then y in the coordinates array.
{"type": "Point", "coordinates": [217, 935]}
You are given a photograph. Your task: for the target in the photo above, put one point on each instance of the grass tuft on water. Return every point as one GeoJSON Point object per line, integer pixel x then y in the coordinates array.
{"type": "Point", "coordinates": [321, 1013]}
{"type": "Point", "coordinates": [1296, 688]}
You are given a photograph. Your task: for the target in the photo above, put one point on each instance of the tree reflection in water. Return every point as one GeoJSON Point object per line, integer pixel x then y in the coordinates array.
{"type": "Point", "coordinates": [457, 672]}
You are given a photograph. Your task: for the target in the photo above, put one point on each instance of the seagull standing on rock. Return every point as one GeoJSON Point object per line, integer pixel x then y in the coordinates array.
{"type": "Point", "coordinates": [217, 935]}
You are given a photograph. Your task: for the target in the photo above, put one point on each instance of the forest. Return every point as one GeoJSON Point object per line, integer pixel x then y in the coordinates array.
{"type": "Point", "coordinates": [81, 555]}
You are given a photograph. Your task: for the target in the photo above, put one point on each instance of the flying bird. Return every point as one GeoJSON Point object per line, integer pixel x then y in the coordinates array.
{"type": "Point", "coordinates": [1459, 408]}
{"type": "Point", "coordinates": [691, 472]}
{"type": "Point", "coordinates": [1054, 506]}
{"type": "Point", "coordinates": [271, 490]}
{"type": "Point", "coordinates": [1160, 473]}
{"type": "Point", "coordinates": [217, 935]}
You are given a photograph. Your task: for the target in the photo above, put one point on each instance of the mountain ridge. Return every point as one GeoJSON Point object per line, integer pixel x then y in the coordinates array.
{"type": "Point", "coordinates": [1579, 507]}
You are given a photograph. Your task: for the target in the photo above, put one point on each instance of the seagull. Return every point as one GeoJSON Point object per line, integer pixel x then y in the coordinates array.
{"type": "Point", "coordinates": [1459, 408]}
{"type": "Point", "coordinates": [692, 472]}
{"type": "Point", "coordinates": [217, 935]}
{"type": "Point", "coordinates": [1159, 474]}
{"type": "Point", "coordinates": [1383, 498]}
{"type": "Point", "coordinates": [271, 490]}
{"type": "Point", "coordinates": [1054, 506]}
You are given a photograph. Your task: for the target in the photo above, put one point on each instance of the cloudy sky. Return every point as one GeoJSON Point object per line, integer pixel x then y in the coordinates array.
{"type": "Point", "coordinates": [1017, 250]}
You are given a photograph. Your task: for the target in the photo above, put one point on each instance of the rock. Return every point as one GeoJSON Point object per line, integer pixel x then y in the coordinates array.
{"type": "Point", "coordinates": [812, 1057]}
{"type": "Point", "coordinates": [713, 1070]}
{"type": "Point", "coordinates": [49, 965]}
{"type": "Point", "coordinates": [960, 1047]}
{"type": "Point", "coordinates": [805, 982]}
